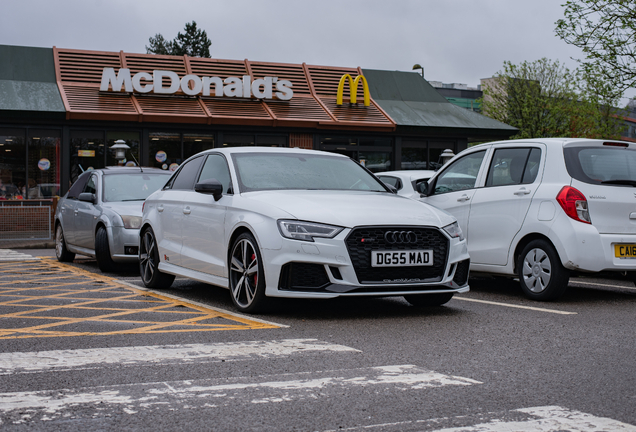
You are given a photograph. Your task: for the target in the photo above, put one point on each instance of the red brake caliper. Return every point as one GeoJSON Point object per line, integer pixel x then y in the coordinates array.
{"type": "Point", "coordinates": [256, 274]}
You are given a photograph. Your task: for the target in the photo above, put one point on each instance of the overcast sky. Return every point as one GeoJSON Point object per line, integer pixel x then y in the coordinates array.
{"type": "Point", "coordinates": [455, 40]}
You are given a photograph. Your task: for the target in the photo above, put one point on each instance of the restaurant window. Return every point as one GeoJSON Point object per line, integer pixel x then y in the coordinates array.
{"type": "Point", "coordinates": [43, 167]}
{"type": "Point", "coordinates": [236, 140]}
{"type": "Point", "coordinates": [196, 143]}
{"type": "Point", "coordinates": [164, 150]}
{"type": "Point", "coordinates": [271, 140]}
{"type": "Point", "coordinates": [375, 161]}
{"type": "Point", "coordinates": [423, 154]}
{"type": "Point", "coordinates": [132, 154]}
{"type": "Point", "coordinates": [12, 164]}
{"type": "Point", "coordinates": [87, 152]}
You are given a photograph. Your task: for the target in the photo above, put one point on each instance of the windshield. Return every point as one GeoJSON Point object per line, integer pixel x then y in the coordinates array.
{"type": "Point", "coordinates": [601, 165]}
{"type": "Point", "coordinates": [132, 186]}
{"type": "Point", "coordinates": [277, 171]}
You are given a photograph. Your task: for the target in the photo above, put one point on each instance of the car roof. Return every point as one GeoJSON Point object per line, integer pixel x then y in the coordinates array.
{"type": "Point", "coordinates": [549, 141]}
{"type": "Point", "coordinates": [131, 170]}
{"type": "Point", "coordinates": [256, 149]}
{"type": "Point", "coordinates": [411, 174]}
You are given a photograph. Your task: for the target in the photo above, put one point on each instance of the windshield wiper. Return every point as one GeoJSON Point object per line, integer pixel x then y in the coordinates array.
{"type": "Point", "coordinates": [134, 199]}
{"type": "Point", "coordinates": [620, 182]}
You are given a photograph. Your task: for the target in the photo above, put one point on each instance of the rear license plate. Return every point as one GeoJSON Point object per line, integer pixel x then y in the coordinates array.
{"type": "Point", "coordinates": [401, 258]}
{"type": "Point", "coordinates": [625, 250]}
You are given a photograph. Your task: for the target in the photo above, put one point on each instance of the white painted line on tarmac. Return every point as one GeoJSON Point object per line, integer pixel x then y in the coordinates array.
{"type": "Point", "coordinates": [603, 285]}
{"type": "Point", "coordinates": [203, 305]}
{"type": "Point", "coordinates": [537, 419]}
{"type": "Point", "coordinates": [554, 311]}
{"type": "Point", "coordinates": [238, 393]}
{"type": "Point", "coordinates": [43, 361]}
{"type": "Point", "coordinates": [8, 255]}
{"type": "Point", "coordinates": [550, 418]}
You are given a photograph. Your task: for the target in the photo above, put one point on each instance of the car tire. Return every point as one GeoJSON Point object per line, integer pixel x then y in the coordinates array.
{"type": "Point", "coordinates": [541, 275]}
{"type": "Point", "coordinates": [149, 262]}
{"type": "Point", "coordinates": [428, 300]}
{"type": "Point", "coordinates": [102, 251]}
{"type": "Point", "coordinates": [247, 278]}
{"type": "Point", "coordinates": [61, 252]}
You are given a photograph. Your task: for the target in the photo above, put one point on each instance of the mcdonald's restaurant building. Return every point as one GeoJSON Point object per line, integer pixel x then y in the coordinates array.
{"type": "Point", "coordinates": [62, 109]}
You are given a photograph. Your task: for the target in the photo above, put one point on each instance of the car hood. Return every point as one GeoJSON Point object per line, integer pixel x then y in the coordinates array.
{"type": "Point", "coordinates": [132, 208]}
{"type": "Point", "coordinates": [353, 208]}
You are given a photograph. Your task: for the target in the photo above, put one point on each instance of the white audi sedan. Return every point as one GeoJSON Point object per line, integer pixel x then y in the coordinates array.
{"type": "Point", "coordinates": [280, 222]}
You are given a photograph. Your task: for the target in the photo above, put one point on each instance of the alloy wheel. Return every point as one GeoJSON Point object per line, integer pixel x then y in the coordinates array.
{"type": "Point", "coordinates": [244, 272]}
{"type": "Point", "coordinates": [147, 254]}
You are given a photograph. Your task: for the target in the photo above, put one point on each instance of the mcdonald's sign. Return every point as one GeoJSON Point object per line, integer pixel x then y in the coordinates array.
{"type": "Point", "coordinates": [353, 89]}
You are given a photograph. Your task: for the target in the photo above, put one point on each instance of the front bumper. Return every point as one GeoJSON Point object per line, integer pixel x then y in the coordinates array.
{"type": "Point", "coordinates": [323, 269]}
{"type": "Point", "coordinates": [124, 244]}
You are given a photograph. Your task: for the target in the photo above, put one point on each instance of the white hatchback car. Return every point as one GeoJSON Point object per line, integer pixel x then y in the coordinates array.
{"type": "Point", "coordinates": [538, 209]}
{"type": "Point", "coordinates": [280, 222]}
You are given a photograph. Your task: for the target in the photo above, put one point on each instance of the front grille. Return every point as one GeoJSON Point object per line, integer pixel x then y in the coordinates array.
{"type": "Point", "coordinates": [303, 276]}
{"type": "Point", "coordinates": [461, 274]}
{"type": "Point", "coordinates": [374, 239]}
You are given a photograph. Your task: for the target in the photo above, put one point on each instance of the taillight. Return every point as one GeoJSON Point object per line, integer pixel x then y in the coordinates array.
{"type": "Point", "coordinates": [574, 204]}
{"type": "Point", "coordinates": [143, 206]}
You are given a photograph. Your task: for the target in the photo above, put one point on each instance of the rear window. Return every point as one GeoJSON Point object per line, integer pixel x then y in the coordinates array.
{"type": "Point", "coordinates": [601, 165]}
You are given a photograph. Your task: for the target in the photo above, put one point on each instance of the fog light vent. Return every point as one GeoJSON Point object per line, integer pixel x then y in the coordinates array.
{"type": "Point", "coordinates": [131, 250]}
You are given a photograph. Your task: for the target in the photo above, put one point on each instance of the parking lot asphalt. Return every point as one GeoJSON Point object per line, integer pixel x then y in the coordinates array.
{"type": "Point", "coordinates": [489, 360]}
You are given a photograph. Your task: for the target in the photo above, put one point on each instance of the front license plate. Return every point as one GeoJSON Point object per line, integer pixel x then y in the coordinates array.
{"type": "Point", "coordinates": [625, 250]}
{"type": "Point", "coordinates": [401, 258]}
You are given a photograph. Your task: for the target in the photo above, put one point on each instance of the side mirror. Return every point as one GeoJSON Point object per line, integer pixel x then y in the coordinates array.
{"type": "Point", "coordinates": [211, 187]}
{"type": "Point", "coordinates": [422, 188]}
{"type": "Point", "coordinates": [87, 197]}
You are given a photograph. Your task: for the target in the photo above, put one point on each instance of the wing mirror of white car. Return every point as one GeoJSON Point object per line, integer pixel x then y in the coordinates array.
{"type": "Point", "coordinates": [87, 197]}
{"type": "Point", "coordinates": [422, 188]}
{"type": "Point", "coordinates": [211, 187]}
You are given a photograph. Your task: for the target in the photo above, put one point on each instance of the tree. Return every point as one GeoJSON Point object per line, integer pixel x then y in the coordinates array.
{"type": "Point", "coordinates": [606, 32]}
{"type": "Point", "coordinates": [545, 99]}
{"type": "Point", "coordinates": [194, 43]}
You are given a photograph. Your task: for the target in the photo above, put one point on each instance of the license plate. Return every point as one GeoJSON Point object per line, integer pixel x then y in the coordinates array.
{"type": "Point", "coordinates": [625, 250]}
{"type": "Point", "coordinates": [401, 258]}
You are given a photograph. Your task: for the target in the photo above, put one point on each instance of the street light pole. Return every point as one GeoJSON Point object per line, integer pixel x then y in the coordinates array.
{"type": "Point", "coordinates": [417, 66]}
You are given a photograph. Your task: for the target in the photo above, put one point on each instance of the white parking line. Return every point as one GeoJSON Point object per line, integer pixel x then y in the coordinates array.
{"type": "Point", "coordinates": [603, 285]}
{"type": "Point", "coordinates": [537, 419]}
{"type": "Point", "coordinates": [8, 255]}
{"type": "Point", "coordinates": [42, 361]}
{"type": "Point", "coordinates": [218, 392]}
{"type": "Point", "coordinates": [554, 311]}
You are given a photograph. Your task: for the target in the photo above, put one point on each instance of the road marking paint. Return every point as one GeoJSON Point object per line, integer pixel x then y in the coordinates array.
{"type": "Point", "coordinates": [44, 361]}
{"type": "Point", "coordinates": [8, 255]}
{"type": "Point", "coordinates": [603, 285]}
{"type": "Point", "coordinates": [535, 419]}
{"type": "Point", "coordinates": [554, 311]}
{"type": "Point", "coordinates": [79, 303]}
{"type": "Point", "coordinates": [219, 392]}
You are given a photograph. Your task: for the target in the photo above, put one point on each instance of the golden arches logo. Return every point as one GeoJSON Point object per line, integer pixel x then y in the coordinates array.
{"type": "Point", "coordinates": [353, 89]}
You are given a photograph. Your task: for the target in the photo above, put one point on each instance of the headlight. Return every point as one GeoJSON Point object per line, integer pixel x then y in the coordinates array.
{"type": "Point", "coordinates": [306, 230]}
{"type": "Point", "coordinates": [133, 222]}
{"type": "Point", "coordinates": [454, 231]}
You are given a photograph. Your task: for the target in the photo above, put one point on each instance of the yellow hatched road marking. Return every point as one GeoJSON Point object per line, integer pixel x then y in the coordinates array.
{"type": "Point", "coordinates": [47, 298]}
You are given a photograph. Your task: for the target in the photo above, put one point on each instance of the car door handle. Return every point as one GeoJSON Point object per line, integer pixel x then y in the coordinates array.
{"type": "Point", "coordinates": [160, 208]}
{"type": "Point", "coordinates": [186, 210]}
{"type": "Point", "coordinates": [463, 198]}
{"type": "Point", "coordinates": [522, 191]}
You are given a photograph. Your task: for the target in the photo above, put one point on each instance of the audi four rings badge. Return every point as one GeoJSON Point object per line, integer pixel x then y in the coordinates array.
{"type": "Point", "coordinates": [393, 237]}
